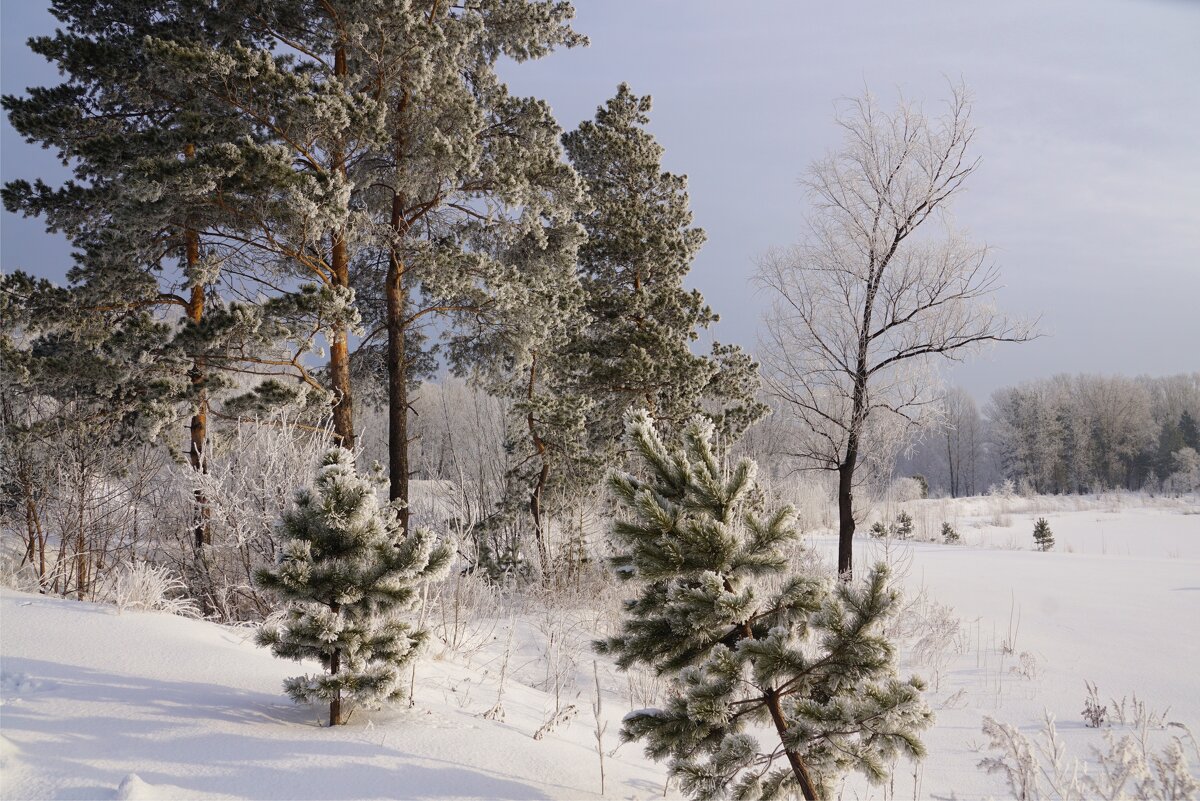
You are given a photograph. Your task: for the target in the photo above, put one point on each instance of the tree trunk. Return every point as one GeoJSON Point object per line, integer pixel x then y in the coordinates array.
{"type": "Point", "coordinates": [846, 519]}
{"type": "Point", "coordinates": [339, 355]}
{"type": "Point", "coordinates": [335, 665]}
{"type": "Point", "coordinates": [81, 560]}
{"type": "Point", "coordinates": [799, 769]}
{"type": "Point", "coordinates": [950, 464]}
{"type": "Point", "coordinates": [339, 348]}
{"type": "Point", "coordinates": [397, 365]}
{"type": "Point", "coordinates": [535, 495]}
{"type": "Point", "coordinates": [198, 427]}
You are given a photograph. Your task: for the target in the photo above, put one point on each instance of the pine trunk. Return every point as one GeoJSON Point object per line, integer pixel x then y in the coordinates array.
{"type": "Point", "coordinates": [397, 364]}
{"type": "Point", "coordinates": [198, 427]}
{"type": "Point", "coordinates": [535, 495]}
{"type": "Point", "coordinates": [799, 769]}
{"type": "Point", "coordinates": [335, 703]}
{"type": "Point", "coordinates": [339, 350]}
{"type": "Point", "coordinates": [339, 355]}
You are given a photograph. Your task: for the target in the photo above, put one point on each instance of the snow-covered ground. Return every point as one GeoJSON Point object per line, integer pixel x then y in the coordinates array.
{"type": "Point", "coordinates": [97, 704]}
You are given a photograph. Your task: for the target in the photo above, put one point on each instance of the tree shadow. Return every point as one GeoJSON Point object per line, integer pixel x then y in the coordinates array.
{"type": "Point", "coordinates": [167, 738]}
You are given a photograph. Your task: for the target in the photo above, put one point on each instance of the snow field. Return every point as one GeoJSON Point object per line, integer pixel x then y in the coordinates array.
{"type": "Point", "coordinates": [139, 705]}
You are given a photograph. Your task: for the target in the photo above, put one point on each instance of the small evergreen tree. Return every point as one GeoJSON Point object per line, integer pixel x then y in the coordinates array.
{"type": "Point", "coordinates": [904, 525]}
{"type": "Point", "coordinates": [1042, 536]}
{"type": "Point", "coordinates": [345, 571]}
{"type": "Point", "coordinates": [949, 534]}
{"type": "Point", "coordinates": [880, 529]}
{"type": "Point", "coordinates": [746, 641]}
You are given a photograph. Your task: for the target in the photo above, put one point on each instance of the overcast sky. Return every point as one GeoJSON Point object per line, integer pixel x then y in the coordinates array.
{"type": "Point", "coordinates": [1089, 118]}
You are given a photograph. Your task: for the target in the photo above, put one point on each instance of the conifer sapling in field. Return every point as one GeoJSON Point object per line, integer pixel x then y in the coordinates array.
{"type": "Point", "coordinates": [949, 534]}
{"type": "Point", "coordinates": [749, 644]}
{"type": "Point", "coordinates": [346, 571]}
{"type": "Point", "coordinates": [1042, 536]}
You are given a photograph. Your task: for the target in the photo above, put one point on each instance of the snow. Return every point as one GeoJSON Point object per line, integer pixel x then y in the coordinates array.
{"type": "Point", "coordinates": [143, 705]}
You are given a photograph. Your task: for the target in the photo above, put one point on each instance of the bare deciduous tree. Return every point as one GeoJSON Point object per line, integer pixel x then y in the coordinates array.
{"type": "Point", "coordinates": [963, 441]}
{"type": "Point", "coordinates": [865, 303]}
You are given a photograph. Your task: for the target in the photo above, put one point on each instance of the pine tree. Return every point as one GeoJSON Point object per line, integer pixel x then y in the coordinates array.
{"type": "Point", "coordinates": [949, 534]}
{"type": "Point", "coordinates": [1189, 431]}
{"type": "Point", "coordinates": [150, 159]}
{"type": "Point", "coordinates": [345, 571]}
{"type": "Point", "coordinates": [746, 641]}
{"type": "Point", "coordinates": [1043, 538]}
{"type": "Point", "coordinates": [471, 208]}
{"type": "Point", "coordinates": [640, 247]}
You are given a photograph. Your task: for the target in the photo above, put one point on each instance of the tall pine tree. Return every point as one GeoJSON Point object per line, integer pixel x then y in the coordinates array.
{"type": "Point", "coordinates": [637, 349]}
{"type": "Point", "coordinates": [470, 201]}
{"type": "Point", "coordinates": [153, 175]}
{"type": "Point", "coordinates": [746, 641]}
{"type": "Point", "coordinates": [346, 570]}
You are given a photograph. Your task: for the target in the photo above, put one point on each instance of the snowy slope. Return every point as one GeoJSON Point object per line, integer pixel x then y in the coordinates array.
{"type": "Point", "coordinates": [193, 710]}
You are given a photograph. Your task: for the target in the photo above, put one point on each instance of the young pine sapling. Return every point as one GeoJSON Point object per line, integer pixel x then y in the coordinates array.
{"type": "Point", "coordinates": [747, 641]}
{"type": "Point", "coordinates": [345, 571]}
{"type": "Point", "coordinates": [1043, 538]}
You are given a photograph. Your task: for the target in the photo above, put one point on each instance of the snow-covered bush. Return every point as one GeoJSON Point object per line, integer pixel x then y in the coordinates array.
{"type": "Point", "coordinates": [1186, 476]}
{"type": "Point", "coordinates": [1128, 767]}
{"type": "Point", "coordinates": [252, 470]}
{"type": "Point", "coordinates": [1006, 489]}
{"type": "Point", "coordinates": [140, 585]}
{"type": "Point", "coordinates": [906, 489]}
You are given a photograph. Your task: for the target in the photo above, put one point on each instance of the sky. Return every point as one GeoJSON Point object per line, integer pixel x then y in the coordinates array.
{"type": "Point", "coordinates": [1089, 139]}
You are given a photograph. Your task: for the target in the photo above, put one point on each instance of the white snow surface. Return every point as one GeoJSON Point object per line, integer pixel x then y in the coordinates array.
{"type": "Point", "coordinates": [100, 705]}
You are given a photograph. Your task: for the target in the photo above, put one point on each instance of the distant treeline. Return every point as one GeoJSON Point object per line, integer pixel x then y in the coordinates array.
{"type": "Point", "coordinates": [1067, 434]}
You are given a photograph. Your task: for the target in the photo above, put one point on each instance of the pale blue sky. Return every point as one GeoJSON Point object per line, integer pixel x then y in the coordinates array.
{"type": "Point", "coordinates": [1089, 117]}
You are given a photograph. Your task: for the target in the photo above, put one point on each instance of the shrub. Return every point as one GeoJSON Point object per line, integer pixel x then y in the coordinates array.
{"type": "Point", "coordinates": [949, 534]}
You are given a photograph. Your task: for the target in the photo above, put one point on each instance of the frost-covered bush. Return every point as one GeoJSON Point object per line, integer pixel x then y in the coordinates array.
{"type": "Point", "coordinates": [1006, 489]}
{"type": "Point", "coordinates": [252, 471]}
{"type": "Point", "coordinates": [141, 585]}
{"type": "Point", "coordinates": [1129, 767]}
{"type": "Point", "coordinates": [1186, 475]}
{"type": "Point", "coordinates": [906, 489]}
